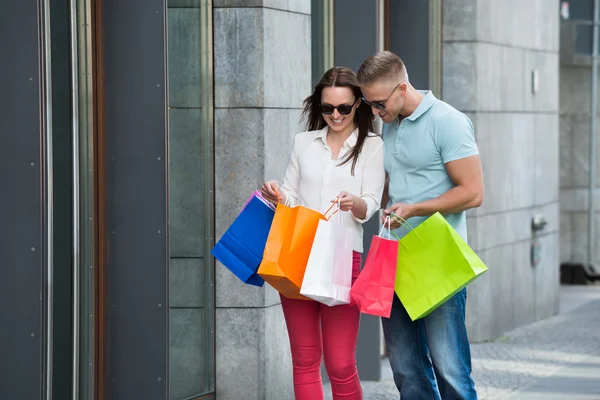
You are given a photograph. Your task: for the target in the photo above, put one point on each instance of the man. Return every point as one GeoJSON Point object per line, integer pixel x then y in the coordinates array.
{"type": "Point", "coordinates": [432, 164]}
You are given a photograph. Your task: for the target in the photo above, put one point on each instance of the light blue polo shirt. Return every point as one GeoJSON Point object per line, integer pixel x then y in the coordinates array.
{"type": "Point", "coordinates": [416, 150]}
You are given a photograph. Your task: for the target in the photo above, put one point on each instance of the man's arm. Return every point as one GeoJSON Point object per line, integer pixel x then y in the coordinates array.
{"type": "Point", "coordinates": [467, 175]}
{"type": "Point", "coordinates": [455, 139]}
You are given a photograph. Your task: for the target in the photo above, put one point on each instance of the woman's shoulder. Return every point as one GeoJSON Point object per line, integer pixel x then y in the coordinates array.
{"type": "Point", "coordinates": [307, 136]}
{"type": "Point", "coordinates": [373, 140]}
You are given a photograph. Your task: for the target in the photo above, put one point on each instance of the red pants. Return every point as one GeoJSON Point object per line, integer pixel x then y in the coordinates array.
{"type": "Point", "coordinates": [314, 329]}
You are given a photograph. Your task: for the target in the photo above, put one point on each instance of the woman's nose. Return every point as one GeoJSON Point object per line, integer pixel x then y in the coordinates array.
{"type": "Point", "coordinates": [336, 114]}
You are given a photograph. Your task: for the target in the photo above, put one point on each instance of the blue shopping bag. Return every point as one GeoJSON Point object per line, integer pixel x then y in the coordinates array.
{"type": "Point", "coordinates": [241, 247]}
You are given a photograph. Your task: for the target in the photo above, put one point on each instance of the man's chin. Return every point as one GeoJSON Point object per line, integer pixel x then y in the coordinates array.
{"type": "Point", "coordinates": [387, 118]}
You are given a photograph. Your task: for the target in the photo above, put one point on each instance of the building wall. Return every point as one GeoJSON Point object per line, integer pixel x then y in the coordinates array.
{"type": "Point", "coordinates": [575, 84]}
{"type": "Point", "coordinates": [488, 58]}
{"type": "Point", "coordinates": [262, 74]}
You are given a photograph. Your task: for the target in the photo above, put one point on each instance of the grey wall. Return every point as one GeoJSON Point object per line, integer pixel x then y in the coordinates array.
{"type": "Point", "coordinates": [575, 84]}
{"type": "Point", "coordinates": [22, 208]}
{"type": "Point", "coordinates": [488, 58]}
{"type": "Point", "coordinates": [136, 199]}
{"type": "Point", "coordinates": [262, 74]}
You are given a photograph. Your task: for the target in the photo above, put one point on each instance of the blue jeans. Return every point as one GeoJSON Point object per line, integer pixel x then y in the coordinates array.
{"type": "Point", "coordinates": [431, 357]}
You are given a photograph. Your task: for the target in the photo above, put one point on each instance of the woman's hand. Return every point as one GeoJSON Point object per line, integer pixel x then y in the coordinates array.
{"type": "Point", "coordinates": [346, 201]}
{"type": "Point", "coordinates": [270, 190]}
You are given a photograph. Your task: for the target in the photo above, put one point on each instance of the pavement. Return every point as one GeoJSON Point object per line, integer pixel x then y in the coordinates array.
{"type": "Point", "coordinates": [557, 358]}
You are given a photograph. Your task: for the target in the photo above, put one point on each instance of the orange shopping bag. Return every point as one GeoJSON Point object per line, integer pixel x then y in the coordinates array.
{"type": "Point", "coordinates": [288, 247]}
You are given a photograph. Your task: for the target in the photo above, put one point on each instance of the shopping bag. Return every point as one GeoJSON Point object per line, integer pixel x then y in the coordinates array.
{"type": "Point", "coordinates": [434, 263]}
{"type": "Point", "coordinates": [288, 248]}
{"type": "Point", "coordinates": [328, 274]}
{"type": "Point", "coordinates": [258, 194]}
{"type": "Point", "coordinates": [241, 247]}
{"type": "Point", "coordinates": [373, 290]}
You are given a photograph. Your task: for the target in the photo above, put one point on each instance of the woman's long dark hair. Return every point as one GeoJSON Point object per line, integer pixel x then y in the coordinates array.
{"type": "Point", "coordinates": [363, 118]}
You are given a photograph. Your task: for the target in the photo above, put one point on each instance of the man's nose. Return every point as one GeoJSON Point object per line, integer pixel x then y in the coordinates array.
{"type": "Point", "coordinates": [375, 110]}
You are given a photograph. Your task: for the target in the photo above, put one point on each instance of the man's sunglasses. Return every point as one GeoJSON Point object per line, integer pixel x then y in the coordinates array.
{"type": "Point", "coordinates": [343, 109]}
{"type": "Point", "coordinates": [380, 105]}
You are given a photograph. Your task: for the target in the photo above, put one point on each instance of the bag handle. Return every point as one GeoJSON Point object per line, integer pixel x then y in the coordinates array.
{"type": "Point", "coordinates": [388, 221]}
{"type": "Point", "coordinates": [401, 221]}
{"type": "Point", "coordinates": [327, 218]}
{"type": "Point", "coordinates": [337, 201]}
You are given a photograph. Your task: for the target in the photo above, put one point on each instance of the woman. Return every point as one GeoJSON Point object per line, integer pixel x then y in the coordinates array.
{"type": "Point", "coordinates": [338, 158]}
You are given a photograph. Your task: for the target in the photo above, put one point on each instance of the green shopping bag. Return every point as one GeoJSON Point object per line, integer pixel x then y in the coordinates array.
{"type": "Point", "coordinates": [434, 263]}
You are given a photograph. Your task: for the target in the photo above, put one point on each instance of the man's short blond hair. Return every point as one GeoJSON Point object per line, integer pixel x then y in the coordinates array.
{"type": "Point", "coordinates": [383, 64]}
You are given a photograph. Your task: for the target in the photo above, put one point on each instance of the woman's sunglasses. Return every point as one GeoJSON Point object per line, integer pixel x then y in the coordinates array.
{"type": "Point", "coordinates": [343, 109]}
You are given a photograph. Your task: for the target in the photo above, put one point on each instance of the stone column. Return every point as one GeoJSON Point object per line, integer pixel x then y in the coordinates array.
{"type": "Point", "coordinates": [489, 55]}
{"type": "Point", "coordinates": [575, 92]}
{"type": "Point", "coordinates": [262, 74]}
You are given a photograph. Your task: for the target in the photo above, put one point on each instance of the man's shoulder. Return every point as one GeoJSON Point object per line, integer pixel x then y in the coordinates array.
{"type": "Point", "coordinates": [442, 112]}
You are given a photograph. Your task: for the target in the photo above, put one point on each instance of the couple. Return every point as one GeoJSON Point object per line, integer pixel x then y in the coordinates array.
{"type": "Point", "coordinates": [427, 162]}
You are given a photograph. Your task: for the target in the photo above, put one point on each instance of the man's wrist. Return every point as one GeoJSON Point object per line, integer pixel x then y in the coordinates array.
{"type": "Point", "coordinates": [416, 210]}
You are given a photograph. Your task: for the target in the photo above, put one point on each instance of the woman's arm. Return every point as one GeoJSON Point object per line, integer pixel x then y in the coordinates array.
{"type": "Point", "coordinates": [364, 205]}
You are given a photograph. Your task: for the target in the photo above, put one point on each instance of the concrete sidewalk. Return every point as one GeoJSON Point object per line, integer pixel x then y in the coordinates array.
{"type": "Point", "coordinates": [558, 358]}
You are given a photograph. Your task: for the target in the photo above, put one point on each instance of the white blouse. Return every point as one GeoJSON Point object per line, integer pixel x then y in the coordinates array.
{"type": "Point", "coordinates": [313, 179]}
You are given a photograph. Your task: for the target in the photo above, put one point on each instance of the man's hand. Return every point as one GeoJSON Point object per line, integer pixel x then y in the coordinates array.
{"type": "Point", "coordinates": [404, 211]}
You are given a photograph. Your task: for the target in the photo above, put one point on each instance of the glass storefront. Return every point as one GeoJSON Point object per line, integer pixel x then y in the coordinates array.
{"type": "Point", "coordinates": [84, 173]}
{"type": "Point", "coordinates": [191, 299]}
{"type": "Point", "coordinates": [83, 335]}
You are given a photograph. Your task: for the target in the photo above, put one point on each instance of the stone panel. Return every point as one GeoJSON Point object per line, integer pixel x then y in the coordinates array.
{"type": "Point", "coordinates": [240, 351]}
{"type": "Point", "coordinates": [278, 361]}
{"type": "Point", "coordinates": [287, 58]}
{"type": "Point", "coordinates": [297, 6]}
{"type": "Point", "coordinates": [503, 228]}
{"type": "Point", "coordinates": [239, 170]}
{"type": "Point", "coordinates": [480, 308]}
{"type": "Point", "coordinates": [239, 57]}
{"type": "Point", "coordinates": [575, 83]}
{"type": "Point", "coordinates": [459, 20]}
{"type": "Point", "coordinates": [459, 75]}
{"type": "Point", "coordinates": [507, 148]}
{"type": "Point", "coordinates": [579, 224]}
{"type": "Point", "coordinates": [566, 252]}
{"type": "Point", "coordinates": [502, 265]}
{"type": "Point", "coordinates": [497, 24]}
{"type": "Point", "coordinates": [523, 285]}
{"type": "Point", "coordinates": [547, 279]}
{"type": "Point", "coordinates": [546, 99]}
{"type": "Point", "coordinates": [547, 171]}
{"type": "Point", "coordinates": [281, 126]}
{"type": "Point", "coordinates": [259, 51]}
{"type": "Point", "coordinates": [500, 79]}
{"type": "Point", "coordinates": [577, 132]}
{"type": "Point", "coordinates": [566, 151]}
{"type": "Point", "coordinates": [253, 357]}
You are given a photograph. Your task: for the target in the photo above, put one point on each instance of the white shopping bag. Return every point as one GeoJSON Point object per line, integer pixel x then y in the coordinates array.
{"type": "Point", "coordinates": [328, 275]}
